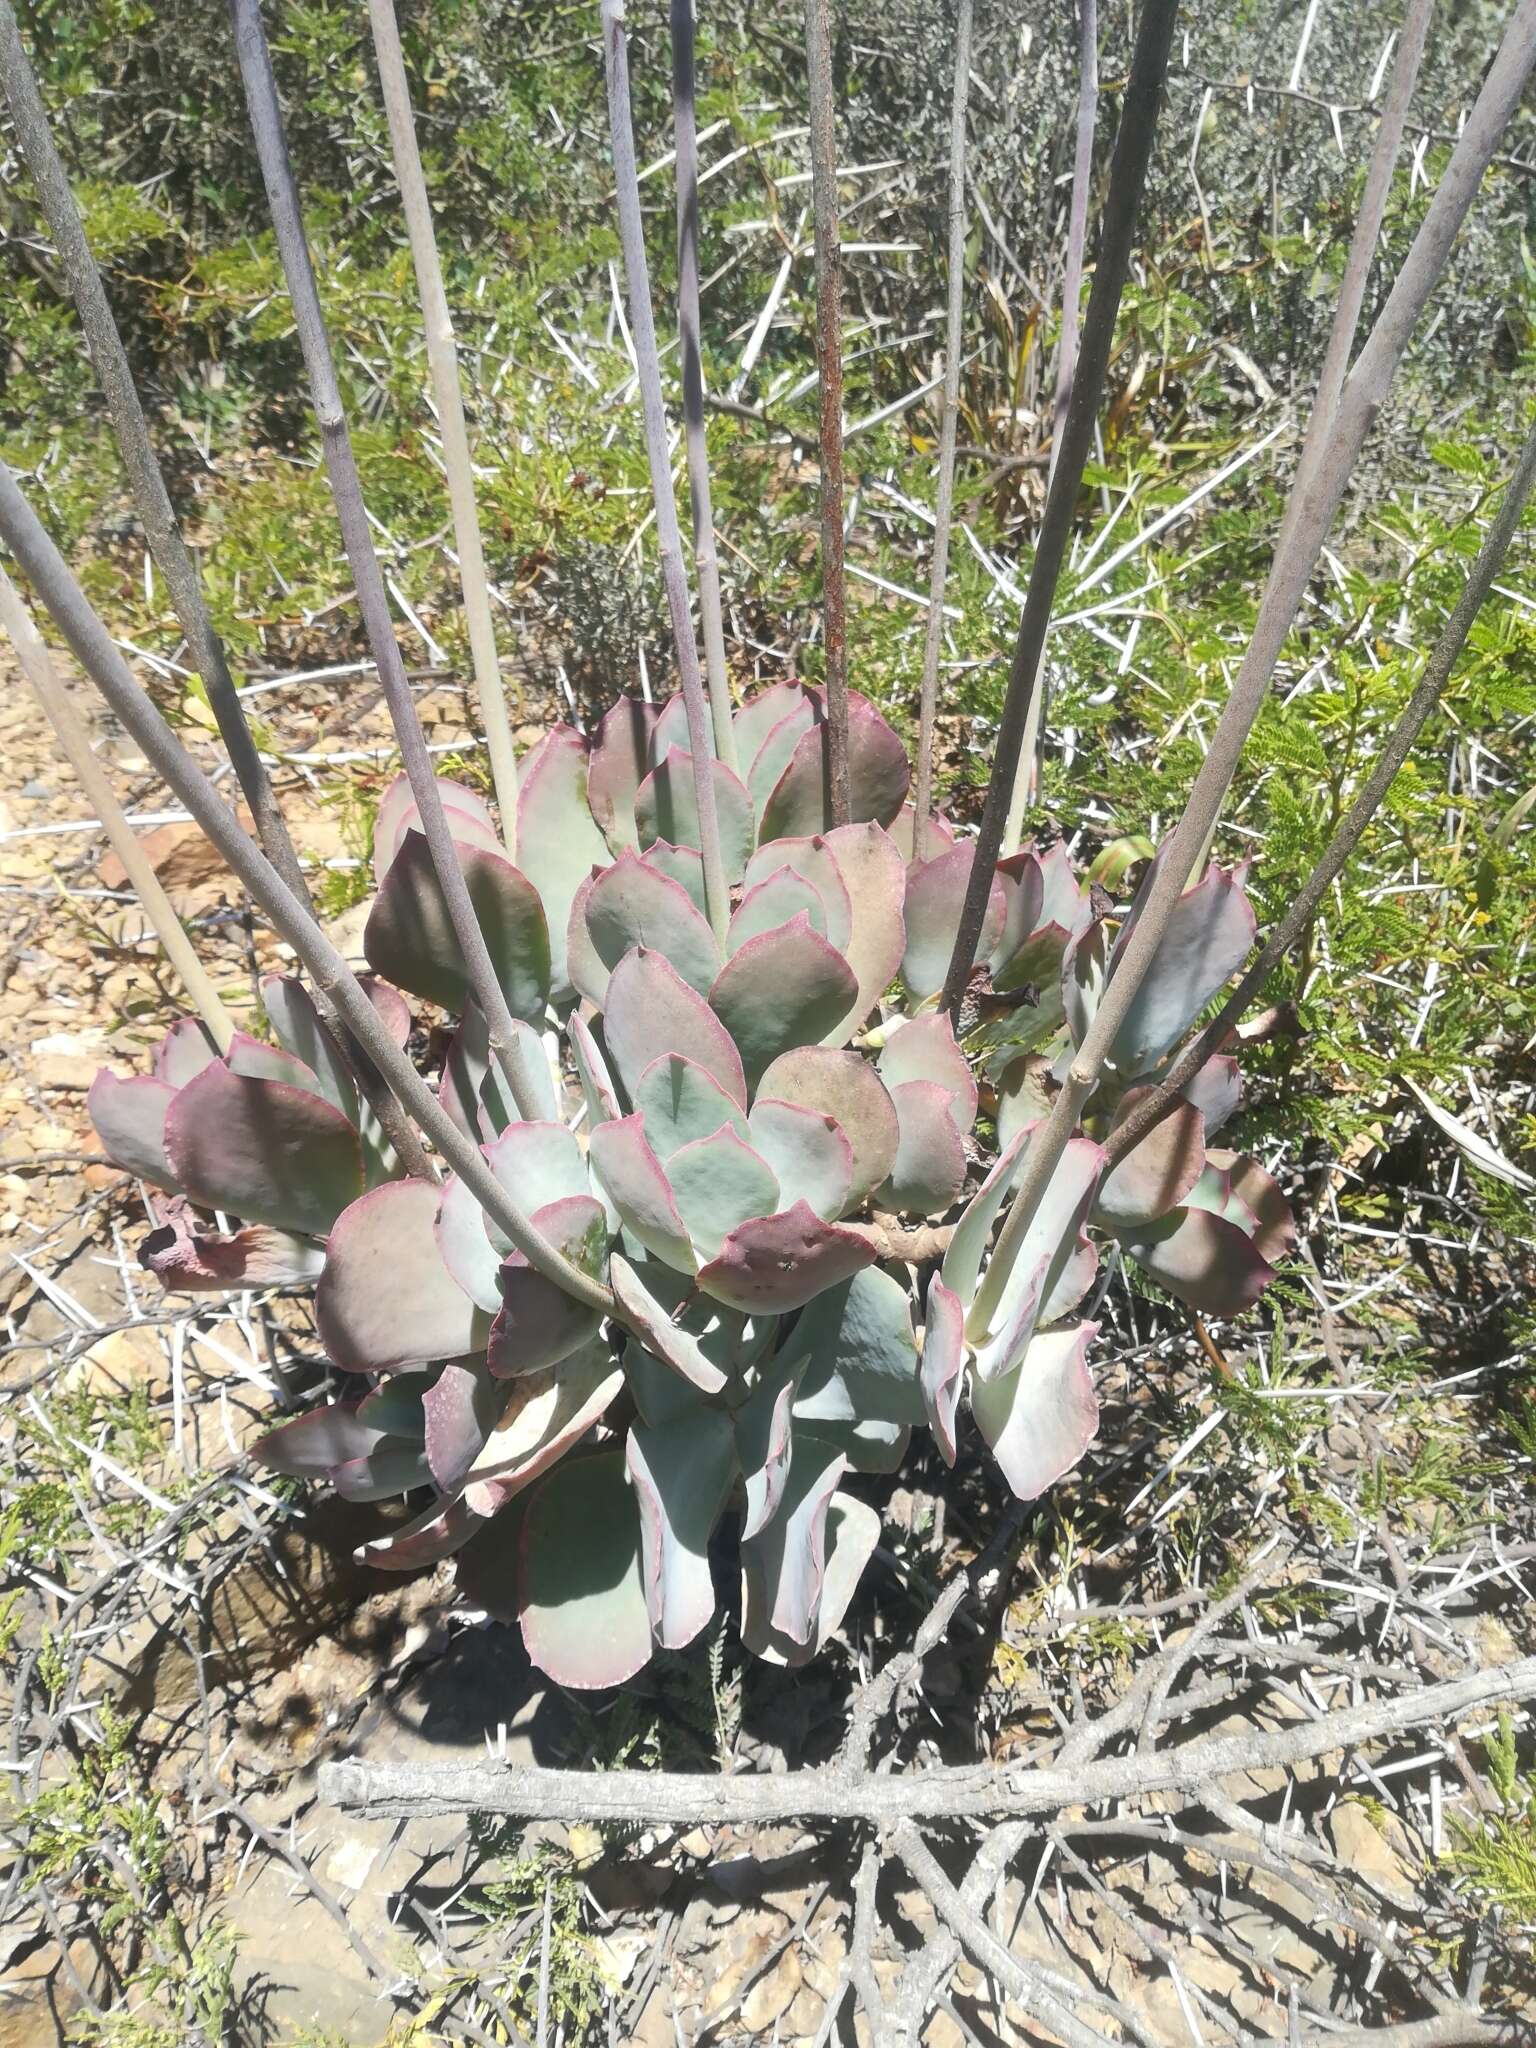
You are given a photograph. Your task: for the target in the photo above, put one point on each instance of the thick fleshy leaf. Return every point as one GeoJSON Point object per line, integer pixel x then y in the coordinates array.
{"type": "Point", "coordinates": [263, 1150]}
{"type": "Point", "coordinates": [1084, 972]}
{"type": "Point", "coordinates": [929, 1169]}
{"type": "Point", "coordinates": [782, 1564]}
{"type": "Point", "coordinates": [847, 1088]}
{"type": "Point", "coordinates": [756, 716]}
{"type": "Point", "coordinates": [445, 1528]}
{"type": "Point", "coordinates": [1040, 1419]}
{"type": "Point", "coordinates": [1064, 902]}
{"type": "Point", "coordinates": [409, 937]}
{"type": "Point", "coordinates": [184, 1052]}
{"type": "Point", "coordinates": [681, 1474]}
{"type": "Point", "coordinates": [1216, 1091]}
{"type": "Point", "coordinates": [1048, 1253]}
{"type": "Point", "coordinates": [1023, 885]}
{"type": "Point", "coordinates": [852, 1532]}
{"type": "Point", "coordinates": [188, 1259]}
{"type": "Point", "coordinates": [253, 1060]}
{"type": "Point", "coordinates": [681, 1102]}
{"type": "Point", "coordinates": [635, 904]}
{"type": "Point", "coordinates": [469, 820]}
{"type": "Point", "coordinates": [777, 1263]}
{"type": "Point", "coordinates": [808, 1153]}
{"type": "Point", "coordinates": [874, 876]}
{"type": "Point", "coordinates": [666, 807]}
{"type": "Point", "coordinates": [938, 835]}
{"type": "Point", "coordinates": [650, 1011]}
{"type": "Point", "coordinates": [634, 1179]}
{"type": "Point", "coordinates": [776, 742]}
{"type": "Point", "coordinates": [558, 840]}
{"type": "Point", "coordinates": [462, 1406]}
{"type": "Point", "coordinates": [669, 731]}
{"type": "Point", "coordinates": [1209, 935]}
{"type": "Point", "coordinates": [582, 1594]}
{"type": "Point", "coordinates": [386, 1300]}
{"type": "Point", "coordinates": [1155, 1175]}
{"type": "Point", "coordinates": [717, 1183]}
{"type": "Point", "coordinates": [663, 1337]}
{"type": "Point", "coordinates": [968, 1242]}
{"type": "Point", "coordinates": [300, 1030]}
{"type": "Point", "coordinates": [813, 862]}
{"type": "Point", "coordinates": [617, 766]}
{"type": "Point", "coordinates": [878, 777]}
{"type": "Point", "coordinates": [597, 1086]}
{"type": "Point", "coordinates": [924, 1049]}
{"type": "Point", "coordinates": [942, 1371]}
{"type": "Point", "coordinates": [764, 1432]}
{"type": "Point", "coordinates": [539, 1323]}
{"type": "Point", "coordinates": [935, 895]}
{"type": "Point", "coordinates": [129, 1117]}
{"type": "Point", "coordinates": [486, 1569]}
{"type": "Point", "coordinates": [770, 903]}
{"type": "Point", "coordinates": [543, 1414]}
{"type": "Point", "coordinates": [861, 1360]}
{"type": "Point", "coordinates": [394, 1468]}
{"type": "Point", "coordinates": [1202, 1259]}
{"type": "Point", "coordinates": [680, 864]}
{"type": "Point", "coordinates": [313, 1444]}
{"type": "Point", "coordinates": [536, 1163]}
{"type": "Point", "coordinates": [783, 989]}
{"type": "Point", "coordinates": [398, 1405]}
{"type": "Point", "coordinates": [1274, 1233]}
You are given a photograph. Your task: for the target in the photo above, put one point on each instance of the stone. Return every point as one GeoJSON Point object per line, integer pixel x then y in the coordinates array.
{"type": "Point", "coordinates": [1373, 1844]}
{"type": "Point", "coordinates": [772, 1994]}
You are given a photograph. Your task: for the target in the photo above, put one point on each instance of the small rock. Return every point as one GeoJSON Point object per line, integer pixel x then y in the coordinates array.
{"type": "Point", "coordinates": [66, 1071]}
{"type": "Point", "coordinates": [1373, 1844]}
{"type": "Point", "coordinates": [772, 1994]}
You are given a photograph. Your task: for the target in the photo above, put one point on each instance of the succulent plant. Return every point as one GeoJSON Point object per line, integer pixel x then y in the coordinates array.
{"type": "Point", "coordinates": [732, 1135]}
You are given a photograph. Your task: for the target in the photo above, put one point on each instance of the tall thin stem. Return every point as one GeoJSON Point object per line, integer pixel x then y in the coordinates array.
{"type": "Point", "coordinates": [94, 649]}
{"type": "Point", "coordinates": [928, 703]}
{"type": "Point", "coordinates": [506, 1043]}
{"type": "Point", "coordinates": [1298, 917]}
{"type": "Point", "coordinates": [75, 741]}
{"type": "Point", "coordinates": [1133, 151]}
{"type": "Point", "coordinates": [150, 497]}
{"type": "Point", "coordinates": [705, 557]}
{"type": "Point", "coordinates": [829, 364]}
{"type": "Point", "coordinates": [443, 362]}
{"type": "Point", "coordinates": [1026, 770]}
{"type": "Point", "coordinates": [668, 537]}
{"type": "Point", "coordinates": [1327, 462]}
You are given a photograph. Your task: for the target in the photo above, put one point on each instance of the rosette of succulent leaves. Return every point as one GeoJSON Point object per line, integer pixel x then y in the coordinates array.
{"type": "Point", "coordinates": [765, 1149]}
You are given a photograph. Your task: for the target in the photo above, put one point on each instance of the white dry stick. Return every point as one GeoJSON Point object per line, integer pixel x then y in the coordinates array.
{"type": "Point", "coordinates": [73, 738]}
{"type": "Point", "coordinates": [443, 361]}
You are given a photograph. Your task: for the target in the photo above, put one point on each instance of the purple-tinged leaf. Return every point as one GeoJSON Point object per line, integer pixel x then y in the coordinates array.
{"type": "Point", "coordinates": [474, 1093]}
{"type": "Point", "coordinates": [1274, 1234]}
{"type": "Point", "coordinates": [782, 1565]}
{"type": "Point", "coordinates": [392, 1469]}
{"type": "Point", "coordinates": [924, 1049]}
{"type": "Point", "coordinates": [188, 1259]}
{"type": "Point", "coordinates": [875, 878]}
{"type": "Point", "coordinates": [409, 937]}
{"type": "Point", "coordinates": [847, 1088]}
{"type": "Point", "coordinates": [681, 1102]}
{"type": "Point", "coordinates": [539, 1323]}
{"type": "Point", "coordinates": [634, 904]}
{"type": "Point", "coordinates": [852, 1533]}
{"type": "Point", "coordinates": [776, 749]}
{"type": "Point", "coordinates": [616, 767]}
{"type": "Point", "coordinates": [469, 820]}
{"type": "Point", "coordinates": [1026, 1089]}
{"type": "Point", "coordinates": [808, 1153]}
{"type": "Point", "coordinates": [859, 1354]}
{"type": "Point", "coordinates": [397, 1405]}
{"type": "Point", "coordinates": [680, 864]}
{"type": "Point", "coordinates": [536, 1163]}
{"type": "Point", "coordinates": [868, 1445]}
{"type": "Point", "coordinates": [386, 1300]}
{"type": "Point", "coordinates": [313, 1444]}
{"type": "Point", "coordinates": [462, 1406]}
{"type": "Point", "coordinates": [781, 990]}
{"type": "Point", "coordinates": [444, 1529]}
{"type": "Point", "coordinates": [1209, 936]}
{"type": "Point", "coordinates": [681, 1474]}
{"type": "Point", "coordinates": [1084, 973]}
{"type": "Point", "coordinates": [942, 1371]}
{"type": "Point", "coordinates": [301, 1031]}
{"type": "Point", "coordinates": [263, 1150]}
{"type": "Point", "coordinates": [717, 1183]}
{"type": "Point", "coordinates": [1023, 885]}
{"type": "Point", "coordinates": [1202, 1259]}
{"type": "Point", "coordinates": [669, 731]}
{"type": "Point", "coordinates": [1156, 1174]}
{"type": "Point", "coordinates": [581, 1591]}
{"type": "Point", "coordinates": [1047, 1255]}
{"type": "Point", "coordinates": [764, 1432]}
{"type": "Point", "coordinates": [935, 895]}
{"type": "Point", "coordinates": [253, 1060]}
{"type": "Point", "coordinates": [184, 1052]}
{"type": "Point", "coordinates": [1040, 1419]}
{"type": "Point", "coordinates": [667, 807]}
{"type": "Point", "coordinates": [1216, 1091]}
{"type": "Point", "coordinates": [777, 1263]}
{"type": "Point", "coordinates": [929, 1169]}
{"type": "Point", "coordinates": [634, 1180]}
{"type": "Point", "coordinates": [1064, 902]}
{"type": "Point", "coordinates": [664, 1338]}
{"type": "Point", "coordinates": [812, 861]}
{"type": "Point", "coordinates": [558, 840]}
{"type": "Point", "coordinates": [938, 835]}
{"type": "Point", "coordinates": [968, 1241]}
{"type": "Point", "coordinates": [543, 1415]}
{"type": "Point", "coordinates": [389, 1006]}
{"type": "Point", "coordinates": [129, 1117]}
{"type": "Point", "coordinates": [651, 1010]}
{"type": "Point", "coordinates": [878, 777]}
{"type": "Point", "coordinates": [782, 895]}
{"type": "Point", "coordinates": [486, 1570]}
{"type": "Point", "coordinates": [597, 1087]}
{"type": "Point", "coordinates": [753, 720]}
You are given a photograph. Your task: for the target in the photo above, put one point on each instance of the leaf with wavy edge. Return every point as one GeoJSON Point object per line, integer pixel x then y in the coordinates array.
{"type": "Point", "coordinates": [777, 1263]}
{"type": "Point", "coordinates": [680, 864]}
{"type": "Point", "coordinates": [558, 839]}
{"type": "Point", "coordinates": [664, 1338]}
{"type": "Point", "coordinates": [680, 1101]}
{"type": "Point", "coordinates": [580, 1586]}
{"type": "Point", "coordinates": [616, 767]}
{"type": "Point", "coordinates": [409, 937]}
{"type": "Point", "coordinates": [444, 1529]}
{"type": "Point", "coordinates": [852, 1533]}
{"type": "Point", "coordinates": [597, 1086]}
{"type": "Point", "coordinates": [265, 1151]}
{"type": "Point", "coordinates": [543, 1415]}
{"type": "Point", "coordinates": [1209, 935]}
{"type": "Point", "coordinates": [129, 1118]}
{"type": "Point", "coordinates": [386, 1300]}
{"type": "Point", "coordinates": [935, 894]}
{"type": "Point", "coordinates": [625, 1165]}
{"type": "Point", "coordinates": [1040, 1419]}
{"type": "Point", "coordinates": [1156, 1174]}
{"type": "Point", "coordinates": [635, 904]}
{"type": "Point", "coordinates": [536, 1162]}
{"type": "Point", "coordinates": [189, 1259]}
{"type": "Point", "coordinates": [772, 902]}
{"type": "Point", "coordinates": [666, 807]}
{"type": "Point", "coordinates": [719, 1182]}
{"type": "Point", "coordinates": [1274, 1232]}
{"type": "Point", "coordinates": [301, 1031]}
{"type": "Point", "coordinates": [776, 748]}
{"type": "Point", "coordinates": [184, 1052]}
{"type": "Point", "coordinates": [1047, 1255]}
{"type": "Point", "coordinates": [968, 1241]}
{"type": "Point", "coordinates": [1203, 1259]}
{"type": "Point", "coordinates": [847, 1088]}
{"type": "Point", "coordinates": [669, 731]}
{"type": "Point", "coordinates": [929, 1169]}
{"type": "Point", "coordinates": [859, 1354]}
{"type": "Point", "coordinates": [764, 1431]}
{"type": "Point", "coordinates": [462, 1406]}
{"type": "Point", "coordinates": [469, 820]}
{"type": "Point", "coordinates": [879, 776]}
{"type": "Point", "coordinates": [812, 862]}
{"type": "Point", "coordinates": [682, 1474]}
{"type": "Point", "coordinates": [651, 1011]}
{"type": "Point", "coordinates": [784, 1562]}
{"type": "Point", "coordinates": [942, 1371]}
{"type": "Point", "coordinates": [539, 1323]}
{"type": "Point", "coordinates": [807, 1152]}
{"type": "Point", "coordinates": [924, 1049]}
{"type": "Point", "coordinates": [938, 835]}
{"type": "Point", "coordinates": [781, 990]}
{"type": "Point", "coordinates": [756, 716]}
